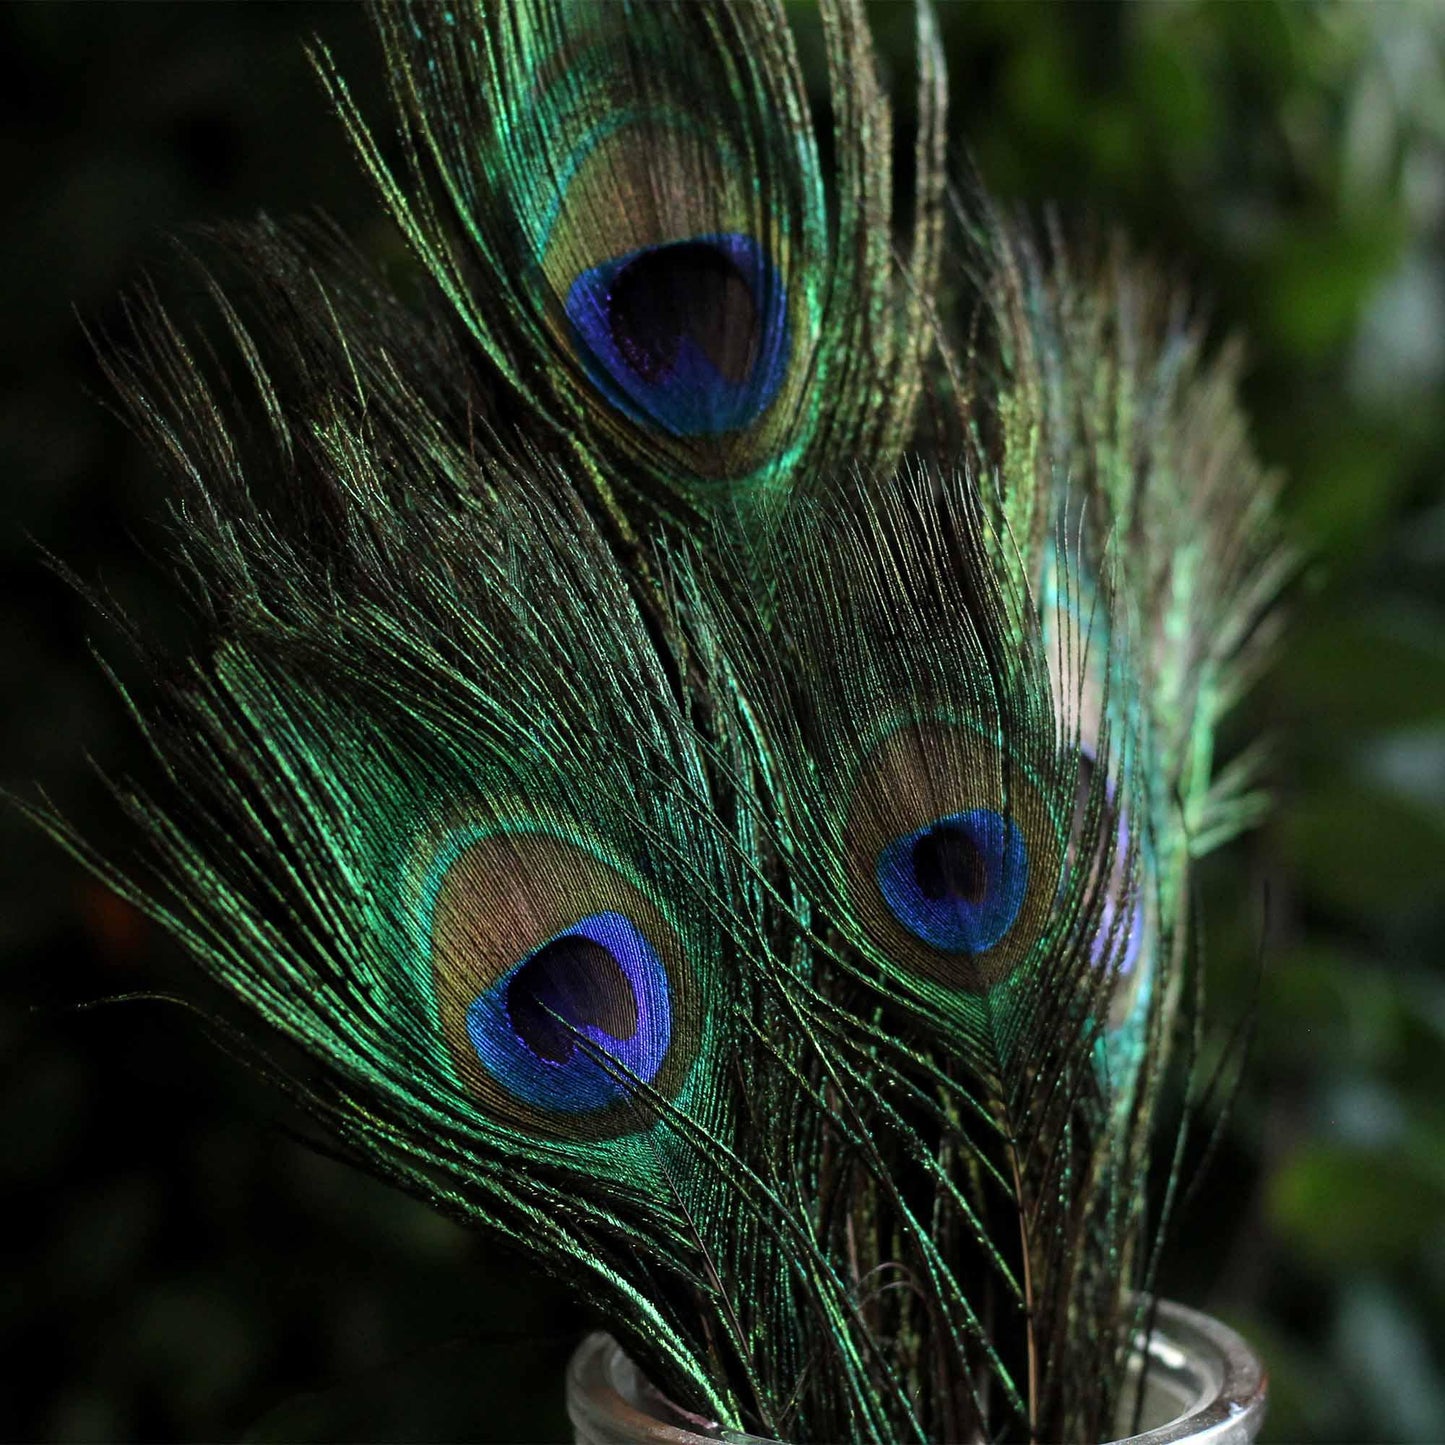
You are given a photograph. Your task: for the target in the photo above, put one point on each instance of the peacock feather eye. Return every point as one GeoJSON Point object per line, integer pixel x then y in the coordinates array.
{"type": "Point", "coordinates": [958, 882]}
{"type": "Point", "coordinates": [684, 307]}
{"type": "Point", "coordinates": [563, 994]}
{"type": "Point", "coordinates": [597, 983]}
{"type": "Point", "coordinates": [1107, 848]}
{"type": "Point", "coordinates": [690, 336]}
{"type": "Point", "coordinates": [953, 856]}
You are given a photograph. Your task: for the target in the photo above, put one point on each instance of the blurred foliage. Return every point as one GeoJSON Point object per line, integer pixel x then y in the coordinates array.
{"type": "Point", "coordinates": [182, 1267]}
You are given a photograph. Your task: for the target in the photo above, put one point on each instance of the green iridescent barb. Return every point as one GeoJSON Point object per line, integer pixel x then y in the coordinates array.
{"type": "Point", "coordinates": [702, 825]}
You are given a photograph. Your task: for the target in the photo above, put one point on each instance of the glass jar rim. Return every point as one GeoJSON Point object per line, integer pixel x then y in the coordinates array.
{"type": "Point", "coordinates": [1203, 1378]}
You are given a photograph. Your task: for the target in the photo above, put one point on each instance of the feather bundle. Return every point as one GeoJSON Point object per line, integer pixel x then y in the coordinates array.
{"type": "Point", "coordinates": [700, 824]}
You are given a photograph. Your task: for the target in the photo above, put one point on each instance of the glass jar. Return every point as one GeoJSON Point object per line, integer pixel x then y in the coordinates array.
{"type": "Point", "coordinates": [1203, 1383]}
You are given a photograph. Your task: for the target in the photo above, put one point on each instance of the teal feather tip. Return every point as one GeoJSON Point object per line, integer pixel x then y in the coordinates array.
{"type": "Point", "coordinates": [703, 719]}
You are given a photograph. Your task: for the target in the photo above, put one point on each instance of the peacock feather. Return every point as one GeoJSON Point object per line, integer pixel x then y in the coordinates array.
{"type": "Point", "coordinates": [701, 722]}
{"type": "Point", "coordinates": [628, 210]}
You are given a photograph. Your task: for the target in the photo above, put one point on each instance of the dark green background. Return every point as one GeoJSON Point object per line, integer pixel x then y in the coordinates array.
{"type": "Point", "coordinates": [181, 1268]}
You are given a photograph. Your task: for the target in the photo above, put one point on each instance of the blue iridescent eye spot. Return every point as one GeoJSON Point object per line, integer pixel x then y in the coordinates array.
{"type": "Point", "coordinates": [1116, 948]}
{"type": "Point", "coordinates": [691, 336]}
{"type": "Point", "coordinates": [958, 882]}
{"type": "Point", "coordinates": [1113, 945]}
{"type": "Point", "coordinates": [599, 981]}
